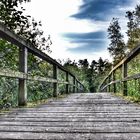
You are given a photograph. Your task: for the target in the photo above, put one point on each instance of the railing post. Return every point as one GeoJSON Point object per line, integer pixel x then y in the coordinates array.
{"type": "Point", "coordinates": [78, 84]}
{"type": "Point", "coordinates": [109, 80]}
{"type": "Point", "coordinates": [81, 89]}
{"type": "Point", "coordinates": [124, 75]}
{"type": "Point", "coordinates": [113, 79]}
{"type": "Point", "coordinates": [55, 85]}
{"type": "Point", "coordinates": [22, 94]}
{"type": "Point", "coordinates": [74, 85]}
{"type": "Point", "coordinates": [77, 87]}
{"type": "Point", "coordinates": [67, 80]}
{"type": "Point", "coordinates": [105, 90]}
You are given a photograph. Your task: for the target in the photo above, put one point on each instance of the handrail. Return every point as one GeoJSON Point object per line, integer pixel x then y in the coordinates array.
{"type": "Point", "coordinates": [111, 79]}
{"type": "Point", "coordinates": [22, 74]}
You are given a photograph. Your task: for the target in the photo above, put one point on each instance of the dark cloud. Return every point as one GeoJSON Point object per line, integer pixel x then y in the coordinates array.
{"type": "Point", "coordinates": [89, 48]}
{"type": "Point", "coordinates": [90, 35]}
{"type": "Point", "coordinates": [87, 42]}
{"type": "Point", "coordinates": [96, 10]}
{"type": "Point", "coordinates": [99, 9]}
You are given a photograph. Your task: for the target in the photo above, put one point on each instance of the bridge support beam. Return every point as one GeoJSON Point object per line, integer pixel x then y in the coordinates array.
{"type": "Point", "coordinates": [22, 94]}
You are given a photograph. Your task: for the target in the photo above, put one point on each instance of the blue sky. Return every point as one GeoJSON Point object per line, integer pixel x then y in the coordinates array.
{"type": "Point", "coordinates": [78, 28]}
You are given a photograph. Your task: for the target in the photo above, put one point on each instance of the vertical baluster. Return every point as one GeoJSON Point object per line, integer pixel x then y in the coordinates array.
{"type": "Point", "coordinates": [124, 74]}
{"type": "Point", "coordinates": [74, 85]}
{"type": "Point", "coordinates": [67, 80]}
{"type": "Point", "coordinates": [109, 80]}
{"type": "Point", "coordinates": [22, 94]}
{"type": "Point", "coordinates": [114, 84]}
{"type": "Point", "coordinates": [55, 85]}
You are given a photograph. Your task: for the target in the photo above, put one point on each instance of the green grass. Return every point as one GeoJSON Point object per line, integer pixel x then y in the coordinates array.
{"type": "Point", "coordinates": [33, 104]}
{"type": "Point", "coordinates": [39, 102]}
{"type": "Point", "coordinates": [133, 99]}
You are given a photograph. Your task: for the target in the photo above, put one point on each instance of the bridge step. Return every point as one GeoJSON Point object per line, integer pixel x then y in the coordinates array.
{"type": "Point", "coordinates": [99, 116]}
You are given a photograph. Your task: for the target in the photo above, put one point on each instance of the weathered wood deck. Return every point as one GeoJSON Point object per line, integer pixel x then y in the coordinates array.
{"type": "Point", "coordinates": [99, 116]}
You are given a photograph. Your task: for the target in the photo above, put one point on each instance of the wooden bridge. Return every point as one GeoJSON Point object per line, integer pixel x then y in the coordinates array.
{"type": "Point", "coordinates": [99, 116]}
{"type": "Point", "coordinates": [91, 116]}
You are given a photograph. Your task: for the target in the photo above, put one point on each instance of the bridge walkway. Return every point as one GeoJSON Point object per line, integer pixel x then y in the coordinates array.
{"type": "Point", "coordinates": [91, 116]}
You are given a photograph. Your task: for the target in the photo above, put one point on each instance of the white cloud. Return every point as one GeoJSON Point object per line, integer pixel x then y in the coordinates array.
{"type": "Point", "coordinates": [55, 16]}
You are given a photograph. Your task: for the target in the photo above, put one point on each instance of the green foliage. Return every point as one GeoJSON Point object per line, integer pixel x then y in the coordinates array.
{"type": "Point", "coordinates": [134, 66]}
{"type": "Point", "coordinates": [117, 45]}
{"type": "Point", "coordinates": [39, 91]}
{"type": "Point", "coordinates": [12, 16]}
{"type": "Point", "coordinates": [133, 86]}
{"type": "Point", "coordinates": [134, 90]}
{"type": "Point", "coordinates": [8, 55]}
{"type": "Point", "coordinates": [8, 86]}
{"type": "Point", "coordinates": [117, 50]}
{"type": "Point", "coordinates": [8, 92]}
{"type": "Point", "coordinates": [133, 25]}
{"type": "Point", "coordinates": [89, 74]}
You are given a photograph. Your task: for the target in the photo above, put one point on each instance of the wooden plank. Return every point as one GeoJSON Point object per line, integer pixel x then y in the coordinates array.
{"type": "Point", "coordinates": [21, 75]}
{"type": "Point", "coordinates": [71, 136]}
{"type": "Point", "coordinates": [128, 58]}
{"type": "Point", "coordinates": [132, 77]}
{"type": "Point", "coordinates": [128, 78]}
{"type": "Point", "coordinates": [112, 82]}
{"type": "Point", "coordinates": [12, 74]}
{"type": "Point", "coordinates": [78, 116]}
{"type": "Point", "coordinates": [10, 36]}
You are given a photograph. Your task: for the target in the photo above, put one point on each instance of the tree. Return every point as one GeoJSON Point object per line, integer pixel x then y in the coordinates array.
{"type": "Point", "coordinates": [89, 74]}
{"type": "Point", "coordinates": [12, 16]}
{"type": "Point", "coordinates": [71, 66]}
{"type": "Point", "coordinates": [83, 63]}
{"type": "Point", "coordinates": [84, 67]}
{"type": "Point", "coordinates": [117, 45]}
{"type": "Point", "coordinates": [133, 25]}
